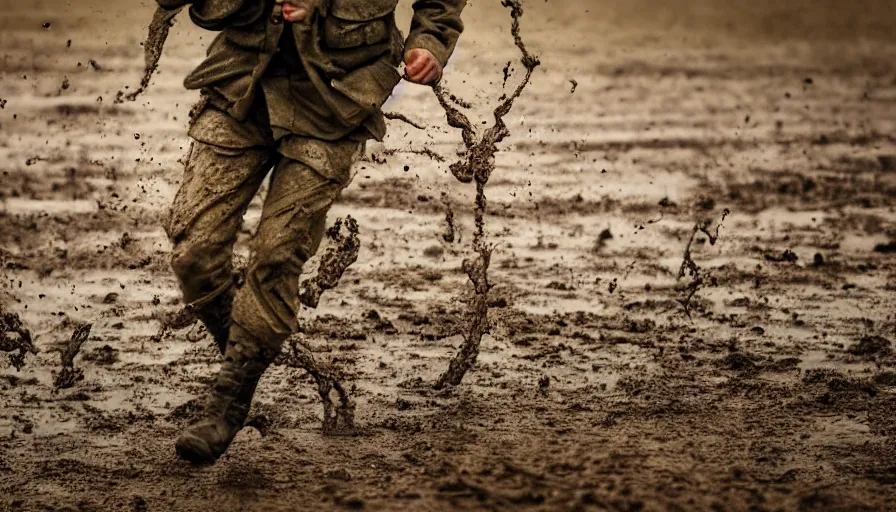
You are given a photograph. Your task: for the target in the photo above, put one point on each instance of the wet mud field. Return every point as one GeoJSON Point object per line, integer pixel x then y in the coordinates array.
{"type": "Point", "coordinates": [631, 364]}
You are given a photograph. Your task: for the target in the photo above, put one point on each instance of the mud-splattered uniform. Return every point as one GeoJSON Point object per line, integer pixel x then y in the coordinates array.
{"type": "Point", "coordinates": [300, 99]}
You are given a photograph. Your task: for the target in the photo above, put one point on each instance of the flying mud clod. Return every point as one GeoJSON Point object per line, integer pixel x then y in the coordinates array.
{"type": "Point", "coordinates": [478, 166]}
{"type": "Point", "coordinates": [450, 233]}
{"type": "Point", "coordinates": [395, 116]}
{"type": "Point", "coordinates": [15, 339]}
{"type": "Point", "coordinates": [335, 261]}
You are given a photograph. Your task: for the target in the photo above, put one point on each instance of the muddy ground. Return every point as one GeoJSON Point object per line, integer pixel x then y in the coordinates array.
{"type": "Point", "coordinates": [600, 387]}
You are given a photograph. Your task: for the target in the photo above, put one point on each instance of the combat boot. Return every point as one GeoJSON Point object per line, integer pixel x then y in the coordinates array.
{"type": "Point", "coordinates": [207, 440]}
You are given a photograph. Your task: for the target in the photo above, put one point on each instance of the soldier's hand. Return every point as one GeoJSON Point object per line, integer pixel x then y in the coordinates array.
{"type": "Point", "coordinates": [421, 66]}
{"type": "Point", "coordinates": [295, 11]}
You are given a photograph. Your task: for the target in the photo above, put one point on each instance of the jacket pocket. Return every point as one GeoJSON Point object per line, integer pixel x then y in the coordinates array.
{"type": "Point", "coordinates": [353, 23]}
{"type": "Point", "coordinates": [363, 91]}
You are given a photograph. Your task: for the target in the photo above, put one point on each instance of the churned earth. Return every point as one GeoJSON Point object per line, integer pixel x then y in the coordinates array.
{"type": "Point", "coordinates": [763, 379]}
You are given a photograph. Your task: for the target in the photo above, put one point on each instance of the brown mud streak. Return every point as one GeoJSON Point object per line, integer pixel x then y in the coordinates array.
{"type": "Point", "coordinates": [68, 375]}
{"type": "Point", "coordinates": [15, 339]}
{"type": "Point", "coordinates": [450, 234]}
{"type": "Point", "coordinates": [159, 28]}
{"type": "Point", "coordinates": [338, 418]}
{"type": "Point", "coordinates": [689, 266]}
{"type": "Point", "coordinates": [478, 166]}
{"type": "Point", "coordinates": [396, 116]}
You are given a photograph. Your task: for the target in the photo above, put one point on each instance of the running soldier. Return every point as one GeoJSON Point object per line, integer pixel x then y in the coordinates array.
{"type": "Point", "coordinates": [293, 87]}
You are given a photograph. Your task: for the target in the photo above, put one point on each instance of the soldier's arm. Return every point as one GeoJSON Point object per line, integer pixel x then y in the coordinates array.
{"type": "Point", "coordinates": [435, 29]}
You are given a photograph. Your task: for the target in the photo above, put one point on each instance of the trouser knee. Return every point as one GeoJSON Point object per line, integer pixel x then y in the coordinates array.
{"type": "Point", "coordinates": [201, 270]}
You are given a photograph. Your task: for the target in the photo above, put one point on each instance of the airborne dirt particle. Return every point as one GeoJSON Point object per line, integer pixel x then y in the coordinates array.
{"type": "Point", "coordinates": [395, 116]}
{"type": "Point", "coordinates": [450, 228]}
{"type": "Point", "coordinates": [602, 239]}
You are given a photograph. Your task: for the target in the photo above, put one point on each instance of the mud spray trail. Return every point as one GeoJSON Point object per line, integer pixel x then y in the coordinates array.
{"type": "Point", "coordinates": [159, 29]}
{"type": "Point", "coordinates": [478, 167]}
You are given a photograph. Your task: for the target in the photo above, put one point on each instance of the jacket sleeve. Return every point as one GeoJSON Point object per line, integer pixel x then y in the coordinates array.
{"type": "Point", "coordinates": [436, 26]}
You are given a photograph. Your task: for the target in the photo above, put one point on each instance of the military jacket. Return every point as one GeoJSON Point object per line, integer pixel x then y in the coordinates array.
{"type": "Point", "coordinates": [325, 77]}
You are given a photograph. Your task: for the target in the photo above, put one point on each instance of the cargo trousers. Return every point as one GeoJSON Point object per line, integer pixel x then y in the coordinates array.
{"type": "Point", "coordinates": [227, 165]}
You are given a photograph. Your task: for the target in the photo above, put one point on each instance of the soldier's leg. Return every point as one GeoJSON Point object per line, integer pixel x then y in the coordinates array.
{"type": "Point", "coordinates": [226, 166]}
{"type": "Point", "coordinates": [264, 313]}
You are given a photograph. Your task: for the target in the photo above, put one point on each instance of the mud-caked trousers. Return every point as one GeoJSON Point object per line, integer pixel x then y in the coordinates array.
{"type": "Point", "coordinates": [227, 164]}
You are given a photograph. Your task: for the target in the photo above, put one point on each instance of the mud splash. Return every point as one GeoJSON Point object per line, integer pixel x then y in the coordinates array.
{"type": "Point", "coordinates": [478, 167]}
{"type": "Point", "coordinates": [450, 233]}
{"type": "Point", "coordinates": [396, 116]}
{"type": "Point", "coordinates": [69, 375]}
{"type": "Point", "coordinates": [339, 414]}
{"type": "Point", "coordinates": [342, 253]}
{"type": "Point", "coordinates": [15, 339]}
{"type": "Point", "coordinates": [159, 28]}
{"type": "Point", "coordinates": [690, 268]}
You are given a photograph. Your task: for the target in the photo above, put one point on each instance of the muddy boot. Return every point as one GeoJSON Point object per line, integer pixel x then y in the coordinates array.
{"type": "Point", "coordinates": [231, 398]}
{"type": "Point", "coordinates": [215, 315]}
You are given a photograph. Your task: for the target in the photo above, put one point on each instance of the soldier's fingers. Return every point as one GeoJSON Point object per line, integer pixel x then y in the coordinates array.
{"type": "Point", "coordinates": [432, 68]}
{"type": "Point", "coordinates": [417, 74]}
{"type": "Point", "coordinates": [433, 75]}
{"type": "Point", "coordinates": [416, 78]}
{"type": "Point", "coordinates": [421, 76]}
{"type": "Point", "coordinates": [414, 62]}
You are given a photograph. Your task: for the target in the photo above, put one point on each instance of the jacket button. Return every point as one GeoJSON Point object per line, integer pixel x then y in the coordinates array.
{"type": "Point", "coordinates": [276, 20]}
